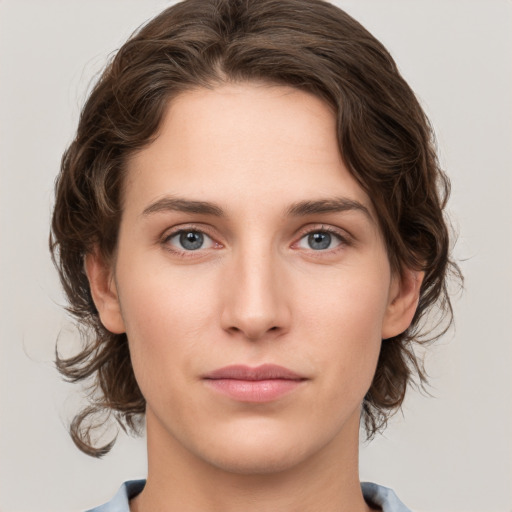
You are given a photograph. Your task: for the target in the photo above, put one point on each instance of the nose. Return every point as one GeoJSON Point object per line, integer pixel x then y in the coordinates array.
{"type": "Point", "coordinates": [255, 301]}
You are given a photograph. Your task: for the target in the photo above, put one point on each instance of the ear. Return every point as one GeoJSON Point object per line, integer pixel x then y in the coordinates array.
{"type": "Point", "coordinates": [403, 301]}
{"type": "Point", "coordinates": [104, 292]}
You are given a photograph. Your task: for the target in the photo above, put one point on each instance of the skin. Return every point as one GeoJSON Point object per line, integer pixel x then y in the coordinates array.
{"type": "Point", "coordinates": [255, 292]}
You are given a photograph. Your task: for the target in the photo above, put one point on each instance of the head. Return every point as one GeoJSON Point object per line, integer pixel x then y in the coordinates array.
{"type": "Point", "coordinates": [290, 57]}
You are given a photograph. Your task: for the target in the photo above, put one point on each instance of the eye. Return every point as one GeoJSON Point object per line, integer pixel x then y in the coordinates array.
{"type": "Point", "coordinates": [189, 240]}
{"type": "Point", "coordinates": [320, 240]}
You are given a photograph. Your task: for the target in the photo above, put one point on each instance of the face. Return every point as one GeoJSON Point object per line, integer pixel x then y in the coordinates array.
{"type": "Point", "coordinates": [251, 279]}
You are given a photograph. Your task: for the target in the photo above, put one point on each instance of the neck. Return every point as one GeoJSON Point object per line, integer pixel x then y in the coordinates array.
{"type": "Point", "coordinates": [178, 480]}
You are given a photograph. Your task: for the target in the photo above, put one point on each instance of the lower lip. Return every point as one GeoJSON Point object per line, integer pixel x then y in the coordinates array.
{"type": "Point", "coordinates": [257, 391]}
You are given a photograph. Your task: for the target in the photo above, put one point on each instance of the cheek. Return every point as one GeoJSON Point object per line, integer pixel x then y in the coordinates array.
{"type": "Point", "coordinates": [166, 315]}
{"type": "Point", "coordinates": [346, 325]}
{"type": "Point", "coordinates": [350, 304]}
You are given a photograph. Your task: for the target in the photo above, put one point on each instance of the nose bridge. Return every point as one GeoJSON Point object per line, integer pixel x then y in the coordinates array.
{"type": "Point", "coordinates": [255, 303]}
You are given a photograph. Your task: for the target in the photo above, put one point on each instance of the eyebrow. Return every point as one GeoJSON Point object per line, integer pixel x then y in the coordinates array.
{"type": "Point", "coordinates": [330, 205]}
{"type": "Point", "coordinates": [298, 209]}
{"type": "Point", "coordinates": [183, 205]}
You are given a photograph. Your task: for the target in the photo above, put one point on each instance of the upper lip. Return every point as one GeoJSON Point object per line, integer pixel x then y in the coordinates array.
{"type": "Point", "coordinates": [263, 372]}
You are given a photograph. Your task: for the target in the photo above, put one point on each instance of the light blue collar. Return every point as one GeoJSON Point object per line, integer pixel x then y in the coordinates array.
{"type": "Point", "coordinates": [374, 494]}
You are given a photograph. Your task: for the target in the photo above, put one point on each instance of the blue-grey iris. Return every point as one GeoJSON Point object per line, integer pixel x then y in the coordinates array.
{"type": "Point", "coordinates": [319, 241]}
{"type": "Point", "coordinates": [191, 240]}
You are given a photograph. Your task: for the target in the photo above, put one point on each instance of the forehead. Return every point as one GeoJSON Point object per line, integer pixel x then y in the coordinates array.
{"type": "Point", "coordinates": [243, 145]}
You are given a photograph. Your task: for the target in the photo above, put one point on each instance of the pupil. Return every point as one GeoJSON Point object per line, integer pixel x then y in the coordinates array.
{"type": "Point", "coordinates": [318, 241]}
{"type": "Point", "coordinates": [191, 240]}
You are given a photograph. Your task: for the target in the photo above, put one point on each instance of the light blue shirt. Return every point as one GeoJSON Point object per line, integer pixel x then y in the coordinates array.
{"type": "Point", "coordinates": [374, 494]}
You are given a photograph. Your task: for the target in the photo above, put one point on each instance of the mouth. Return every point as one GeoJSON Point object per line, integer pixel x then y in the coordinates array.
{"type": "Point", "coordinates": [263, 383]}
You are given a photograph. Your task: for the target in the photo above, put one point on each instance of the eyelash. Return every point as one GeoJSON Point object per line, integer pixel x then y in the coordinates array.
{"type": "Point", "coordinates": [344, 240]}
{"type": "Point", "coordinates": [187, 229]}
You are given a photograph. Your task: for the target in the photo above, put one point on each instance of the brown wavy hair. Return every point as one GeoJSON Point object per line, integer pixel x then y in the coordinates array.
{"type": "Point", "coordinates": [384, 137]}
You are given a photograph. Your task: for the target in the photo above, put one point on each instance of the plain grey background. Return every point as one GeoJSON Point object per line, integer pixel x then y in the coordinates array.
{"type": "Point", "coordinates": [452, 452]}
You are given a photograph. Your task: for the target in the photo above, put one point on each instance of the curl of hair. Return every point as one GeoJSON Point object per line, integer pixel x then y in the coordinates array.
{"type": "Point", "coordinates": [384, 138]}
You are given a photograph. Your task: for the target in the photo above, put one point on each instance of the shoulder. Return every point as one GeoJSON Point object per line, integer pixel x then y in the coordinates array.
{"type": "Point", "coordinates": [383, 497]}
{"type": "Point", "coordinates": [121, 501]}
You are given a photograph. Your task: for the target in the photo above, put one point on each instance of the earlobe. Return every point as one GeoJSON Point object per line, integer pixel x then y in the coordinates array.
{"type": "Point", "coordinates": [403, 302]}
{"type": "Point", "coordinates": [104, 292]}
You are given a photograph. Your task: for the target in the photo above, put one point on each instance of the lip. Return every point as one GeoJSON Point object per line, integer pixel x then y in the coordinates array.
{"type": "Point", "coordinates": [264, 383]}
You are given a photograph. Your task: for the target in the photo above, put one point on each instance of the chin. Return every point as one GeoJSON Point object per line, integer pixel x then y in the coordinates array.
{"type": "Point", "coordinates": [263, 451]}
{"type": "Point", "coordinates": [257, 460]}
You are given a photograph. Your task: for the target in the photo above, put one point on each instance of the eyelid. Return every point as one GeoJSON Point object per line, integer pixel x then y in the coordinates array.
{"type": "Point", "coordinates": [176, 230]}
{"type": "Point", "coordinates": [343, 237]}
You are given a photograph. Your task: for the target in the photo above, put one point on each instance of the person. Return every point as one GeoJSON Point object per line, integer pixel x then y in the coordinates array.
{"type": "Point", "coordinates": [249, 226]}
